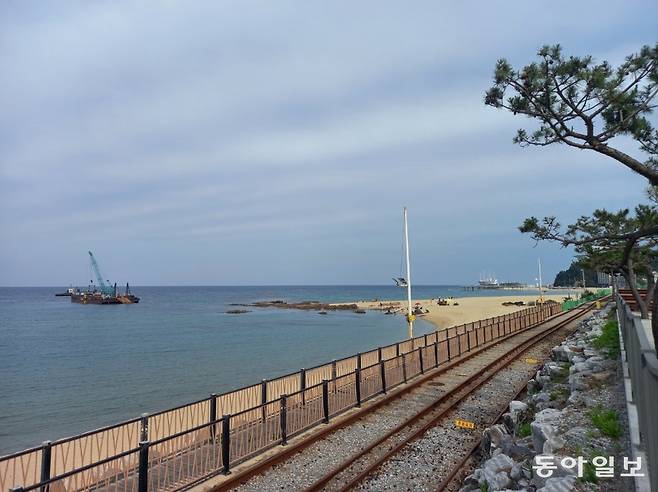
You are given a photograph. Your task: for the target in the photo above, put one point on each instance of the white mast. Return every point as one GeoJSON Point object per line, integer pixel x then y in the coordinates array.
{"type": "Point", "coordinates": [410, 316]}
{"type": "Point", "coordinates": [541, 292]}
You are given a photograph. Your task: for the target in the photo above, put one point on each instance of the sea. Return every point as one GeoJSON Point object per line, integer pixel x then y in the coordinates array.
{"type": "Point", "coordinates": [67, 368]}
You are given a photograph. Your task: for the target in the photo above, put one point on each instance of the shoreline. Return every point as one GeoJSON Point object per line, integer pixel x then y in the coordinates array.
{"type": "Point", "coordinates": [460, 309]}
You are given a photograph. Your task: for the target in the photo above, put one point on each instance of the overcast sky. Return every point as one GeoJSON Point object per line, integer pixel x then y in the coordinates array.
{"type": "Point", "coordinates": [227, 143]}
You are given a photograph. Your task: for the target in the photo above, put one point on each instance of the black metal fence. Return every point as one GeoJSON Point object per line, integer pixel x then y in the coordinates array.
{"type": "Point", "coordinates": [643, 369]}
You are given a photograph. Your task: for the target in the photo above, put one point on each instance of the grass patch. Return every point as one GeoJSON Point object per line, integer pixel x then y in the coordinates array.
{"type": "Point", "coordinates": [525, 430]}
{"type": "Point", "coordinates": [606, 421]}
{"type": "Point", "coordinates": [608, 341]}
{"type": "Point", "coordinates": [484, 487]}
{"type": "Point", "coordinates": [589, 473]}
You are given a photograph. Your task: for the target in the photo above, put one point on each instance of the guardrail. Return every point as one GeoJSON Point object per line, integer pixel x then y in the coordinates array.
{"type": "Point", "coordinates": [176, 447]}
{"type": "Point", "coordinates": [643, 369]}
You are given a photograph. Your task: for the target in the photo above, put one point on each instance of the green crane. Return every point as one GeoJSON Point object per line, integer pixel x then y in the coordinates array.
{"type": "Point", "coordinates": [102, 285]}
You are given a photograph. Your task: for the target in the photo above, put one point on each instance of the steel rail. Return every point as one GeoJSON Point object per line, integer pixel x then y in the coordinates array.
{"type": "Point", "coordinates": [242, 476]}
{"type": "Point", "coordinates": [470, 385]}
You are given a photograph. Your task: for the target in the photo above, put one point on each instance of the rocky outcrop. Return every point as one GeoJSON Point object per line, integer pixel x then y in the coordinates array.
{"type": "Point", "coordinates": [305, 305]}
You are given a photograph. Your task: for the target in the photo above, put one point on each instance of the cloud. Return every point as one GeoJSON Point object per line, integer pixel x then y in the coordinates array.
{"type": "Point", "coordinates": [243, 122]}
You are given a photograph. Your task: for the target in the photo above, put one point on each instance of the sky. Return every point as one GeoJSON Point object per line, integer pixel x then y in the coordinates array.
{"type": "Point", "coordinates": [266, 143]}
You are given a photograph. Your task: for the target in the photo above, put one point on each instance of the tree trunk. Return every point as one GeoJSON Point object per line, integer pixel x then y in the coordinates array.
{"type": "Point", "coordinates": [648, 172]}
{"type": "Point", "coordinates": [629, 275]}
{"type": "Point", "coordinates": [651, 287]}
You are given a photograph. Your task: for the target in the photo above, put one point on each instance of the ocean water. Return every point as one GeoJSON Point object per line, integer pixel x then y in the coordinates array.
{"type": "Point", "coordinates": [67, 368]}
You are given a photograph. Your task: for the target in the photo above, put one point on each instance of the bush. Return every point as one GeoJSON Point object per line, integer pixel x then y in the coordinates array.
{"type": "Point", "coordinates": [606, 421]}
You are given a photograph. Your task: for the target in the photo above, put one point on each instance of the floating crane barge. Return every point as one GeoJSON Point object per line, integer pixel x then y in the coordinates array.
{"type": "Point", "coordinates": [104, 293]}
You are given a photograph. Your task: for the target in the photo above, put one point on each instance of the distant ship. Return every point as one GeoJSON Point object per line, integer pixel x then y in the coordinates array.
{"type": "Point", "coordinates": [488, 281]}
{"type": "Point", "coordinates": [102, 293]}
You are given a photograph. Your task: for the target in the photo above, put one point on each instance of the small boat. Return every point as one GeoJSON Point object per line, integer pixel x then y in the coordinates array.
{"type": "Point", "coordinates": [69, 292]}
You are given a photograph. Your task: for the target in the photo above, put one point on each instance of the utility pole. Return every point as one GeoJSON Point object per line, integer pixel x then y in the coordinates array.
{"type": "Point", "coordinates": [583, 272]}
{"type": "Point", "coordinates": [410, 315]}
{"type": "Point", "coordinates": [541, 291]}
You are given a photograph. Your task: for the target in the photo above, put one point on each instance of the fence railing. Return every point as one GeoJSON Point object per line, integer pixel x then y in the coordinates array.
{"type": "Point", "coordinates": [176, 447]}
{"type": "Point", "coordinates": [643, 369]}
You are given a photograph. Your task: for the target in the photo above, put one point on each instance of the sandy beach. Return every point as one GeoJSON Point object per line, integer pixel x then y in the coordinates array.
{"type": "Point", "coordinates": [467, 309]}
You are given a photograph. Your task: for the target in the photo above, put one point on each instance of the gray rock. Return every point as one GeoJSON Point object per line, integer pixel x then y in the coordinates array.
{"type": "Point", "coordinates": [508, 422]}
{"type": "Point", "coordinates": [541, 432]}
{"type": "Point", "coordinates": [543, 380]}
{"type": "Point", "coordinates": [540, 397]}
{"type": "Point", "coordinates": [597, 367]}
{"type": "Point", "coordinates": [543, 428]}
{"type": "Point", "coordinates": [548, 415]}
{"type": "Point", "coordinates": [552, 369]}
{"type": "Point", "coordinates": [519, 452]}
{"type": "Point", "coordinates": [579, 382]}
{"type": "Point", "coordinates": [561, 353]}
{"type": "Point", "coordinates": [500, 463]}
{"type": "Point", "coordinates": [492, 438]}
{"type": "Point", "coordinates": [516, 473]}
{"type": "Point", "coordinates": [576, 437]}
{"type": "Point", "coordinates": [552, 444]}
{"type": "Point", "coordinates": [576, 398]}
{"type": "Point", "coordinates": [559, 484]}
{"type": "Point", "coordinates": [532, 386]}
{"type": "Point", "coordinates": [496, 481]}
{"type": "Point", "coordinates": [589, 353]}
{"type": "Point", "coordinates": [516, 407]}
{"type": "Point", "coordinates": [579, 367]}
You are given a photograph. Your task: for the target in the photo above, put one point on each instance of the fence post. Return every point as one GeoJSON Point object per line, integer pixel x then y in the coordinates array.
{"type": "Point", "coordinates": [357, 374]}
{"type": "Point", "coordinates": [284, 420]}
{"type": "Point", "coordinates": [325, 400]}
{"type": "Point", "coordinates": [358, 360]}
{"type": "Point", "coordinates": [397, 349]}
{"type": "Point", "coordinates": [448, 346]}
{"type": "Point", "coordinates": [45, 463]}
{"type": "Point", "coordinates": [420, 354]}
{"type": "Point", "coordinates": [382, 371]}
{"type": "Point", "coordinates": [425, 339]}
{"type": "Point", "coordinates": [436, 353]}
{"type": "Point", "coordinates": [379, 354]}
{"type": "Point", "coordinates": [143, 479]}
{"type": "Point", "coordinates": [144, 427]}
{"type": "Point", "coordinates": [213, 415]}
{"type": "Point", "coordinates": [302, 384]}
{"type": "Point", "coordinates": [263, 396]}
{"type": "Point", "coordinates": [226, 443]}
{"type": "Point", "coordinates": [404, 367]}
{"type": "Point", "coordinates": [459, 343]}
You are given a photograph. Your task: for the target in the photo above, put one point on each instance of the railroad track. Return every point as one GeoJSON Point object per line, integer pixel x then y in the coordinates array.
{"type": "Point", "coordinates": [360, 469]}
{"type": "Point", "coordinates": [425, 403]}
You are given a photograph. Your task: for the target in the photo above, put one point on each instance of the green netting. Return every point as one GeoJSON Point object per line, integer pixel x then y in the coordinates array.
{"type": "Point", "coordinates": [566, 305]}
